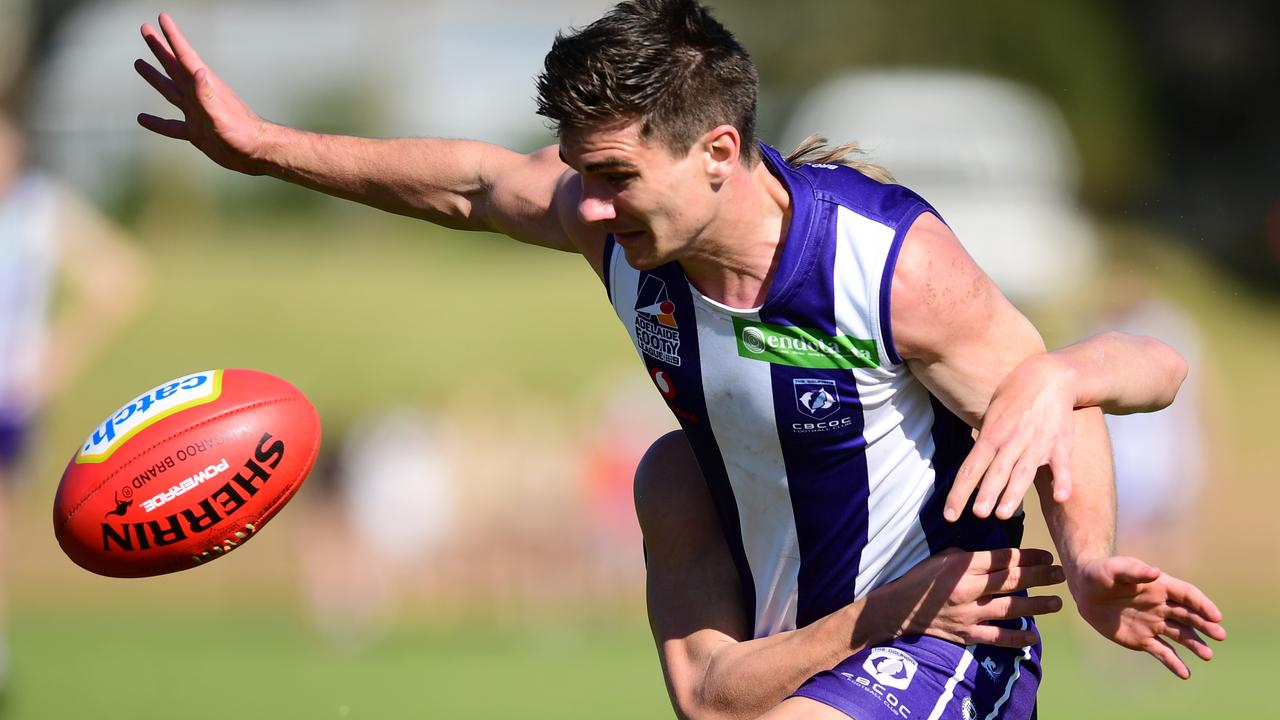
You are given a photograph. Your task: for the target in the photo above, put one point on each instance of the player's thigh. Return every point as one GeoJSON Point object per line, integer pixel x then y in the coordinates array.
{"type": "Point", "coordinates": [802, 708]}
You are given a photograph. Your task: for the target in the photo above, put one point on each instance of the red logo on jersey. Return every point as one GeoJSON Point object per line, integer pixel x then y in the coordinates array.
{"type": "Point", "coordinates": [663, 381]}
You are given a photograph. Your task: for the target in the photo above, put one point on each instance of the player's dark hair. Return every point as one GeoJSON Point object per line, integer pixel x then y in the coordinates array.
{"type": "Point", "coordinates": [666, 63]}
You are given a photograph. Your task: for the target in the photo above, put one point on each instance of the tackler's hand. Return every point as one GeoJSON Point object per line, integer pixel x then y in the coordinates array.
{"type": "Point", "coordinates": [957, 596]}
{"type": "Point", "coordinates": [1028, 425]}
{"type": "Point", "coordinates": [1139, 607]}
{"type": "Point", "coordinates": [215, 119]}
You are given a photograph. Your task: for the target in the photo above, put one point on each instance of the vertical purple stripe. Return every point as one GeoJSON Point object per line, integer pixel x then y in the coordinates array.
{"type": "Point", "coordinates": [688, 404]}
{"type": "Point", "coordinates": [609, 246]}
{"type": "Point", "coordinates": [952, 440]}
{"type": "Point", "coordinates": [823, 449]}
{"type": "Point", "coordinates": [827, 479]}
{"type": "Point", "coordinates": [797, 261]}
{"type": "Point", "coordinates": [886, 280]}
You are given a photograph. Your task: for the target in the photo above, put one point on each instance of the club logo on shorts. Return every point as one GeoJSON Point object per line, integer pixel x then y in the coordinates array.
{"type": "Point", "coordinates": [815, 397]}
{"type": "Point", "coordinates": [657, 334]}
{"type": "Point", "coordinates": [969, 710]}
{"type": "Point", "coordinates": [992, 668]}
{"type": "Point", "coordinates": [891, 667]}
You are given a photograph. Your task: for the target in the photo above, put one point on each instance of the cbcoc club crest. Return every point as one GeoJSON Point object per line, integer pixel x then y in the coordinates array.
{"type": "Point", "coordinates": [891, 667]}
{"type": "Point", "coordinates": [815, 397]}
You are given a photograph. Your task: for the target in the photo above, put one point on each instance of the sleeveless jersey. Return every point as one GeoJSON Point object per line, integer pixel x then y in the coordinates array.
{"type": "Point", "coordinates": [827, 461]}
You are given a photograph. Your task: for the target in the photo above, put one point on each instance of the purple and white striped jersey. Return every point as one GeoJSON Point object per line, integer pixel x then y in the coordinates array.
{"type": "Point", "coordinates": [828, 462]}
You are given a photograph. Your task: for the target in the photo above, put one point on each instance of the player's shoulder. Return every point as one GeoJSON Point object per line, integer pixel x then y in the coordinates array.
{"type": "Point", "coordinates": [847, 187]}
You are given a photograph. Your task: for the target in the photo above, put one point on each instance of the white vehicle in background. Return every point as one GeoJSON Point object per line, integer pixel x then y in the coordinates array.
{"type": "Point", "coordinates": [995, 159]}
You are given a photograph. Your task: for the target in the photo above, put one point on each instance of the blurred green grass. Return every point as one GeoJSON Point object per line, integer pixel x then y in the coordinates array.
{"type": "Point", "coordinates": [214, 662]}
{"type": "Point", "coordinates": [220, 662]}
{"type": "Point", "coordinates": [360, 311]}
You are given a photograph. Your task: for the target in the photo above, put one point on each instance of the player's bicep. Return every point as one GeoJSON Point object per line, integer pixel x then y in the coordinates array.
{"type": "Point", "coordinates": [533, 198]}
{"type": "Point", "coordinates": [957, 332]}
{"type": "Point", "coordinates": [518, 195]}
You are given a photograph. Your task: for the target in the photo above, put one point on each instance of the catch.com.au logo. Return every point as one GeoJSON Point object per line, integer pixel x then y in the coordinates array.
{"type": "Point", "coordinates": [802, 347]}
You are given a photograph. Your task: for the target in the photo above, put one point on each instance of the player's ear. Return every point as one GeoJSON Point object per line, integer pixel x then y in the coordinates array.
{"type": "Point", "coordinates": [722, 147]}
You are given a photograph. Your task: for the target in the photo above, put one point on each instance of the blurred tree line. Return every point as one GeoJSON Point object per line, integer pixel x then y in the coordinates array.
{"type": "Point", "coordinates": [1173, 103]}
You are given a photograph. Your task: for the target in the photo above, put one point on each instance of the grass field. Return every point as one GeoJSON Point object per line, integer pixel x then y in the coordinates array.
{"type": "Point", "coordinates": [218, 662]}
{"type": "Point", "coordinates": [359, 313]}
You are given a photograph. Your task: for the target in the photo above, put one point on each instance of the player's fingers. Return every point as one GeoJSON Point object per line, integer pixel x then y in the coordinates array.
{"type": "Point", "coordinates": [181, 48]}
{"type": "Point", "coordinates": [1022, 578]}
{"type": "Point", "coordinates": [1008, 607]}
{"type": "Point", "coordinates": [1132, 571]}
{"type": "Point", "coordinates": [1003, 637]}
{"type": "Point", "coordinates": [1193, 598]}
{"type": "Point", "coordinates": [159, 81]}
{"type": "Point", "coordinates": [1188, 638]}
{"type": "Point", "coordinates": [175, 129]}
{"type": "Point", "coordinates": [1026, 557]}
{"type": "Point", "coordinates": [1183, 615]}
{"type": "Point", "coordinates": [1161, 650]}
{"type": "Point", "coordinates": [161, 50]}
{"type": "Point", "coordinates": [996, 479]}
{"type": "Point", "coordinates": [204, 86]}
{"type": "Point", "coordinates": [1024, 472]}
{"type": "Point", "coordinates": [984, 562]}
{"type": "Point", "coordinates": [1060, 466]}
{"type": "Point", "coordinates": [967, 477]}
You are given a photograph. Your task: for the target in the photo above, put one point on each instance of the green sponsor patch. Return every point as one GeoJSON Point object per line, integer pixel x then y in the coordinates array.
{"type": "Point", "coordinates": [802, 347]}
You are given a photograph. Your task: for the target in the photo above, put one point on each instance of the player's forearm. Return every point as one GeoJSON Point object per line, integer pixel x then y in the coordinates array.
{"type": "Point", "coordinates": [745, 679]}
{"type": "Point", "coordinates": [1083, 527]}
{"type": "Point", "coordinates": [1123, 373]}
{"type": "Point", "coordinates": [431, 179]}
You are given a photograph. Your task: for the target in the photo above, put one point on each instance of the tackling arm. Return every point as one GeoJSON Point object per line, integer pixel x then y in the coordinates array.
{"type": "Point", "coordinates": [1028, 423]}
{"type": "Point", "coordinates": [961, 337]}
{"type": "Point", "coordinates": [712, 667]}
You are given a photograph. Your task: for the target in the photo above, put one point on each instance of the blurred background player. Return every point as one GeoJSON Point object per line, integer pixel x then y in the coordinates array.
{"type": "Point", "coordinates": [1160, 458]}
{"type": "Point", "coordinates": [50, 240]}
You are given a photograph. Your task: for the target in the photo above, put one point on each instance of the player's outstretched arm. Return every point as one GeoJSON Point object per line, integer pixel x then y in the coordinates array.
{"type": "Point", "coordinates": [712, 666]}
{"type": "Point", "coordinates": [1029, 421]}
{"type": "Point", "coordinates": [456, 183]}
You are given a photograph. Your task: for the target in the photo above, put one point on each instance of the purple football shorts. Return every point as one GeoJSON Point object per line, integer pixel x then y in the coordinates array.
{"type": "Point", "coordinates": [924, 678]}
{"type": "Point", "coordinates": [14, 436]}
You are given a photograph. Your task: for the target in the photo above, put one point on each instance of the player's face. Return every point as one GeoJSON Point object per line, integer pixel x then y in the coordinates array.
{"type": "Point", "coordinates": [655, 204]}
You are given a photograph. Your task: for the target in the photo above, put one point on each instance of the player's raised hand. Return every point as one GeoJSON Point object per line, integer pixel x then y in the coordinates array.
{"type": "Point", "coordinates": [1028, 425]}
{"type": "Point", "coordinates": [955, 595]}
{"type": "Point", "coordinates": [215, 119]}
{"type": "Point", "coordinates": [1139, 607]}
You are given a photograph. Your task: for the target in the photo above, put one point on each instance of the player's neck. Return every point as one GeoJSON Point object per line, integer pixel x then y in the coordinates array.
{"type": "Point", "coordinates": [736, 258]}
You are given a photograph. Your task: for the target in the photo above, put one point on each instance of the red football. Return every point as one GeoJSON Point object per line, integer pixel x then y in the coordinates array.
{"type": "Point", "coordinates": [185, 473]}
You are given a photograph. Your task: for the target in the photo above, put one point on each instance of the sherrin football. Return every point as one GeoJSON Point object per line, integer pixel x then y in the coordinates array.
{"type": "Point", "coordinates": [185, 473]}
